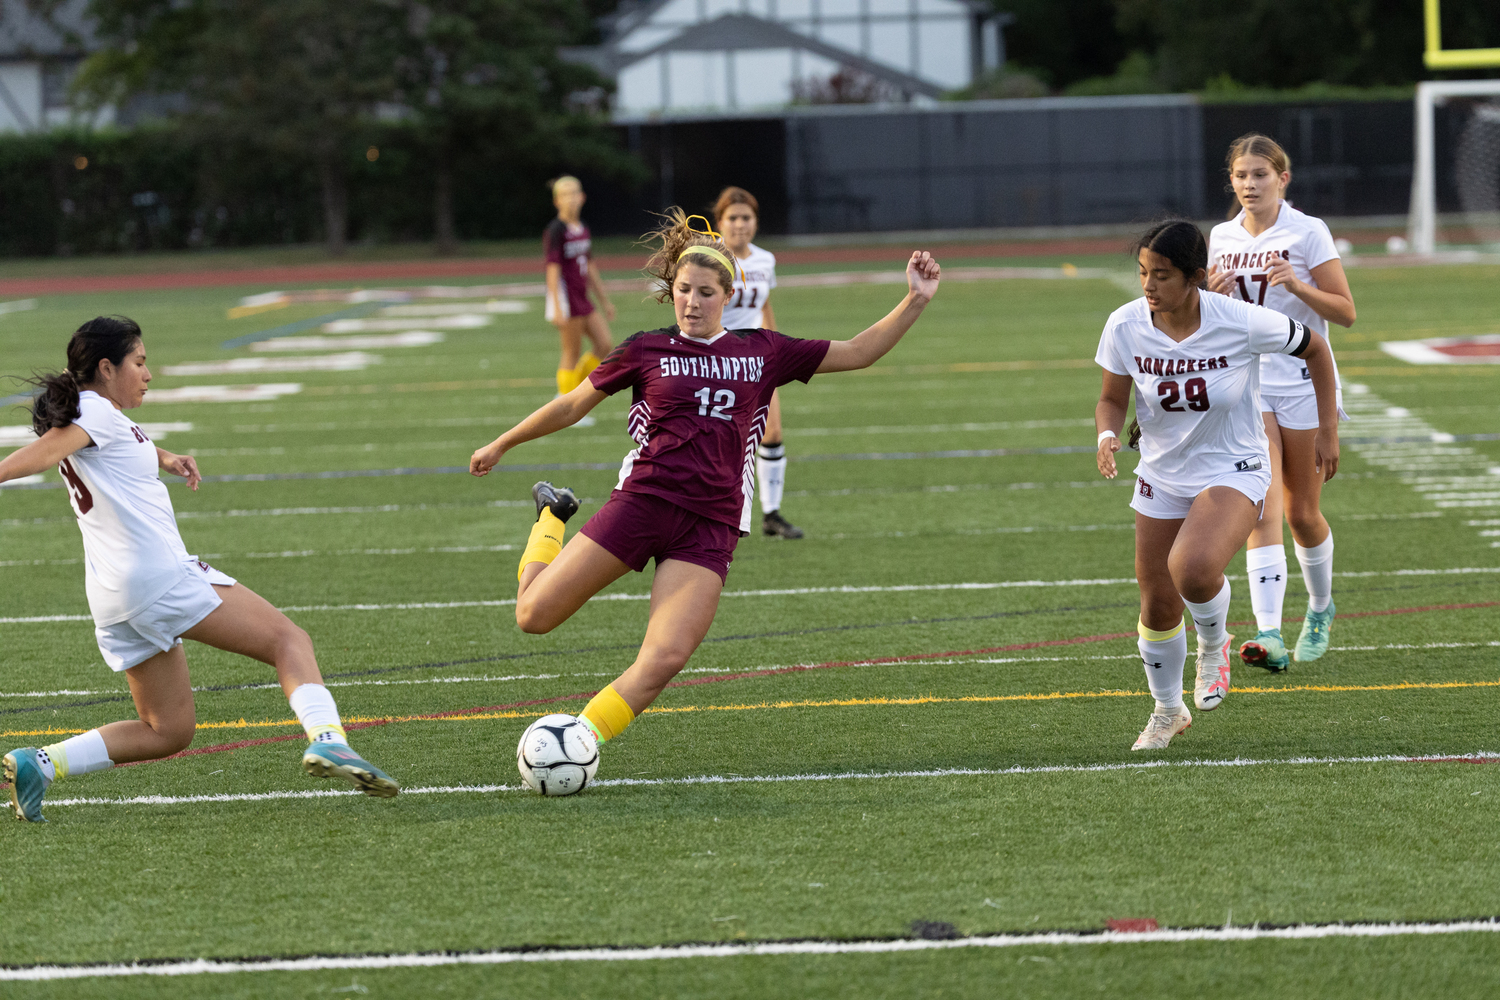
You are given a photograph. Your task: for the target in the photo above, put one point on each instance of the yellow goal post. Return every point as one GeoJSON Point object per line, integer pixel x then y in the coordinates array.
{"type": "Point", "coordinates": [1437, 57]}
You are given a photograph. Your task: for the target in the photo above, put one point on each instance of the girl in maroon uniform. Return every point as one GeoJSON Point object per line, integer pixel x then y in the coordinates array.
{"type": "Point", "coordinates": [700, 395]}
{"type": "Point", "coordinates": [571, 275]}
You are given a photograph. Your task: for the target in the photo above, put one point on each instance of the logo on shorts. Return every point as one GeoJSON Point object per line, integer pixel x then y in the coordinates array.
{"type": "Point", "coordinates": [1306, 375]}
{"type": "Point", "coordinates": [1146, 489]}
{"type": "Point", "coordinates": [1248, 465]}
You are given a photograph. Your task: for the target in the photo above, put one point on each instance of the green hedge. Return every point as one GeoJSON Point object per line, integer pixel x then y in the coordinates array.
{"type": "Point", "coordinates": [152, 188]}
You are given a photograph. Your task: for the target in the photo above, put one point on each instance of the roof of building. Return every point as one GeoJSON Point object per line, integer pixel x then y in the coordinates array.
{"type": "Point", "coordinates": [65, 31]}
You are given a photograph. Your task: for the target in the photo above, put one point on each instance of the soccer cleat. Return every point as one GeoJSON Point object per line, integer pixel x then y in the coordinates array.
{"type": "Point", "coordinates": [1213, 676]}
{"type": "Point", "coordinates": [1161, 727]}
{"type": "Point", "coordinates": [27, 784]}
{"type": "Point", "coordinates": [1313, 642]}
{"type": "Point", "coordinates": [777, 526]}
{"type": "Point", "coordinates": [1266, 650]}
{"type": "Point", "coordinates": [334, 760]}
{"type": "Point", "coordinates": [560, 500]}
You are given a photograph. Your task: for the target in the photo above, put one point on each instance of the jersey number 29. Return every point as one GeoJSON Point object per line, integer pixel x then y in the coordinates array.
{"type": "Point", "coordinates": [723, 400]}
{"type": "Point", "coordinates": [1197, 395]}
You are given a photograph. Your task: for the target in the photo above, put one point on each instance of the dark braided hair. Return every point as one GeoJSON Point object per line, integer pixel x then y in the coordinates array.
{"type": "Point", "coordinates": [104, 337]}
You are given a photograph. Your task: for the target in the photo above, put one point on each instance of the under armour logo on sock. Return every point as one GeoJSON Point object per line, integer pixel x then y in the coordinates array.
{"type": "Point", "coordinates": [1154, 666]}
{"type": "Point", "coordinates": [1265, 578]}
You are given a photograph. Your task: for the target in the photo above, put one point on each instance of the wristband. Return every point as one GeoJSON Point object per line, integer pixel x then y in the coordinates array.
{"type": "Point", "coordinates": [1107, 434]}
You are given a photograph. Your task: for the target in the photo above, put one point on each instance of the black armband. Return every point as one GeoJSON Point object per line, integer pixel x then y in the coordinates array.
{"type": "Point", "coordinates": [1298, 328]}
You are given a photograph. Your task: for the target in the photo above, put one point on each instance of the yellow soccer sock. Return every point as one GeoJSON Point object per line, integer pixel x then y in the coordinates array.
{"type": "Point", "coordinates": [586, 364]}
{"type": "Point", "coordinates": [567, 380]}
{"type": "Point", "coordinates": [607, 714]}
{"type": "Point", "coordinates": [546, 541]}
{"type": "Point", "coordinates": [1152, 635]}
{"type": "Point", "coordinates": [58, 754]}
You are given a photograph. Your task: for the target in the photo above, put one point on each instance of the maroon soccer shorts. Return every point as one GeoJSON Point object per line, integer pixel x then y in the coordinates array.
{"type": "Point", "coordinates": [633, 527]}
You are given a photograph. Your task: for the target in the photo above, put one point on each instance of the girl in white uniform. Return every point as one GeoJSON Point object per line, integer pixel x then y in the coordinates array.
{"type": "Point", "coordinates": [1194, 362]}
{"type": "Point", "coordinates": [737, 214]}
{"type": "Point", "coordinates": [1275, 256]}
{"type": "Point", "coordinates": [144, 590]}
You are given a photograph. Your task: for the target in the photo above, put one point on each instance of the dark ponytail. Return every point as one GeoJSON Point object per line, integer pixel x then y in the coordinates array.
{"type": "Point", "coordinates": [1178, 240]}
{"type": "Point", "coordinates": [111, 337]}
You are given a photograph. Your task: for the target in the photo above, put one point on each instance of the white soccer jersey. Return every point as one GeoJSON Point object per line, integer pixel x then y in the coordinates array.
{"type": "Point", "coordinates": [133, 553]}
{"type": "Point", "coordinates": [1304, 241]}
{"type": "Point", "coordinates": [1197, 401]}
{"type": "Point", "coordinates": [751, 289]}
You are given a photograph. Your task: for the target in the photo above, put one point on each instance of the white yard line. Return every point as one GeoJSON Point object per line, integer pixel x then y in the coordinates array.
{"type": "Point", "coordinates": [1046, 939]}
{"type": "Point", "coordinates": [773, 779]}
{"type": "Point", "coordinates": [788, 592]}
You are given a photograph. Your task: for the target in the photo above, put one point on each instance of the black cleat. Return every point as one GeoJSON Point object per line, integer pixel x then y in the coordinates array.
{"type": "Point", "coordinates": [779, 527]}
{"type": "Point", "coordinates": [560, 500]}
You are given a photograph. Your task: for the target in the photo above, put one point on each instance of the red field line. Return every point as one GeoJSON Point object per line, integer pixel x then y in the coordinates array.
{"type": "Point", "coordinates": [773, 671]}
{"type": "Point", "coordinates": [479, 267]}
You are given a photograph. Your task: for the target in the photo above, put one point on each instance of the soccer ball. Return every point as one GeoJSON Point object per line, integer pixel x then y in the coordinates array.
{"type": "Point", "coordinates": [557, 755]}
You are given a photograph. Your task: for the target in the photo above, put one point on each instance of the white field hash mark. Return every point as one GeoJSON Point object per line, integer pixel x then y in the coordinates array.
{"type": "Point", "coordinates": [769, 779]}
{"type": "Point", "coordinates": [1227, 933]}
{"type": "Point", "coordinates": [1465, 478]}
{"type": "Point", "coordinates": [782, 592]}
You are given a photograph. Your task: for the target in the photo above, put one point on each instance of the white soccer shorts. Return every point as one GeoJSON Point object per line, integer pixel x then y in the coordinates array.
{"type": "Point", "coordinates": [157, 629]}
{"type": "Point", "coordinates": [1297, 413]}
{"type": "Point", "coordinates": [1153, 501]}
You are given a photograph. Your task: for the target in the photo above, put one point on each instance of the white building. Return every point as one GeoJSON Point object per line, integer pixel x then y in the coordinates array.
{"type": "Point", "coordinates": [38, 59]}
{"type": "Point", "coordinates": [727, 55]}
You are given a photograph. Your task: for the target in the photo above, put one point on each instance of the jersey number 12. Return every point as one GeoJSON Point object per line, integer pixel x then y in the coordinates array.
{"type": "Point", "coordinates": [723, 400]}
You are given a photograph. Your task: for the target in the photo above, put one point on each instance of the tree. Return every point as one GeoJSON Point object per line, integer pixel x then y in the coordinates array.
{"type": "Point", "coordinates": [482, 81]}
{"type": "Point", "coordinates": [296, 78]}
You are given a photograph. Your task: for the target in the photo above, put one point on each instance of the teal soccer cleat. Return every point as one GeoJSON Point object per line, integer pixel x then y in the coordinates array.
{"type": "Point", "coordinates": [1266, 650]}
{"type": "Point", "coordinates": [335, 760]}
{"type": "Point", "coordinates": [27, 784]}
{"type": "Point", "coordinates": [1313, 642]}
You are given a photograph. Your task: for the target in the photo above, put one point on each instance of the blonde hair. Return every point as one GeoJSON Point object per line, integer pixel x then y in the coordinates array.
{"type": "Point", "coordinates": [673, 238]}
{"type": "Point", "coordinates": [564, 179]}
{"type": "Point", "coordinates": [1255, 144]}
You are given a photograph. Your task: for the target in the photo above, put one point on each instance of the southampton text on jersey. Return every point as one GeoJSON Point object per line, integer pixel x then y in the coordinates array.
{"type": "Point", "coordinates": [735, 369]}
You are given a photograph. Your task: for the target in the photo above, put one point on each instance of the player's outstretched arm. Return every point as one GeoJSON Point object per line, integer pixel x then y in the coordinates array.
{"type": "Point", "coordinates": [1109, 417]}
{"type": "Point", "coordinates": [43, 453]}
{"type": "Point", "coordinates": [922, 275]}
{"type": "Point", "coordinates": [185, 466]}
{"type": "Point", "coordinates": [564, 411]}
{"type": "Point", "coordinates": [1319, 360]}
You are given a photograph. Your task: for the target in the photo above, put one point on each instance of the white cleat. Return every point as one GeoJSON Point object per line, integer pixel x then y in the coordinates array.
{"type": "Point", "coordinates": [1213, 676]}
{"type": "Point", "coordinates": [1161, 727]}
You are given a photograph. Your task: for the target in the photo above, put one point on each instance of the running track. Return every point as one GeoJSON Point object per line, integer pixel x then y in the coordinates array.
{"type": "Point", "coordinates": [488, 267]}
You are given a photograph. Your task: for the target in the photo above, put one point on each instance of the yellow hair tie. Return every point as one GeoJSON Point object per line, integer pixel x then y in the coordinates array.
{"type": "Point", "coordinates": [733, 267]}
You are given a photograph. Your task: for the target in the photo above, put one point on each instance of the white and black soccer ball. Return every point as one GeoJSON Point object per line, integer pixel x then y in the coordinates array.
{"type": "Point", "coordinates": [557, 755]}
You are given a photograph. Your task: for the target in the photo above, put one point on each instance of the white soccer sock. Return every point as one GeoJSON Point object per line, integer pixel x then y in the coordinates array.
{"type": "Point", "coordinates": [1210, 618]}
{"type": "Point", "coordinates": [1317, 572]}
{"type": "Point", "coordinates": [770, 467]}
{"type": "Point", "coordinates": [1266, 568]}
{"type": "Point", "coordinates": [1163, 655]}
{"type": "Point", "coordinates": [318, 714]}
{"type": "Point", "coordinates": [75, 755]}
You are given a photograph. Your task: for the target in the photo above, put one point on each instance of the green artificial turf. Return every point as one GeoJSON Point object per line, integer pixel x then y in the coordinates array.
{"type": "Point", "coordinates": [961, 683]}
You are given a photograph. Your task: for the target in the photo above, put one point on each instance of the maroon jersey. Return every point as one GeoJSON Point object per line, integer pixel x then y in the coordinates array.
{"type": "Point", "coordinates": [569, 246]}
{"type": "Point", "coordinates": [698, 410]}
